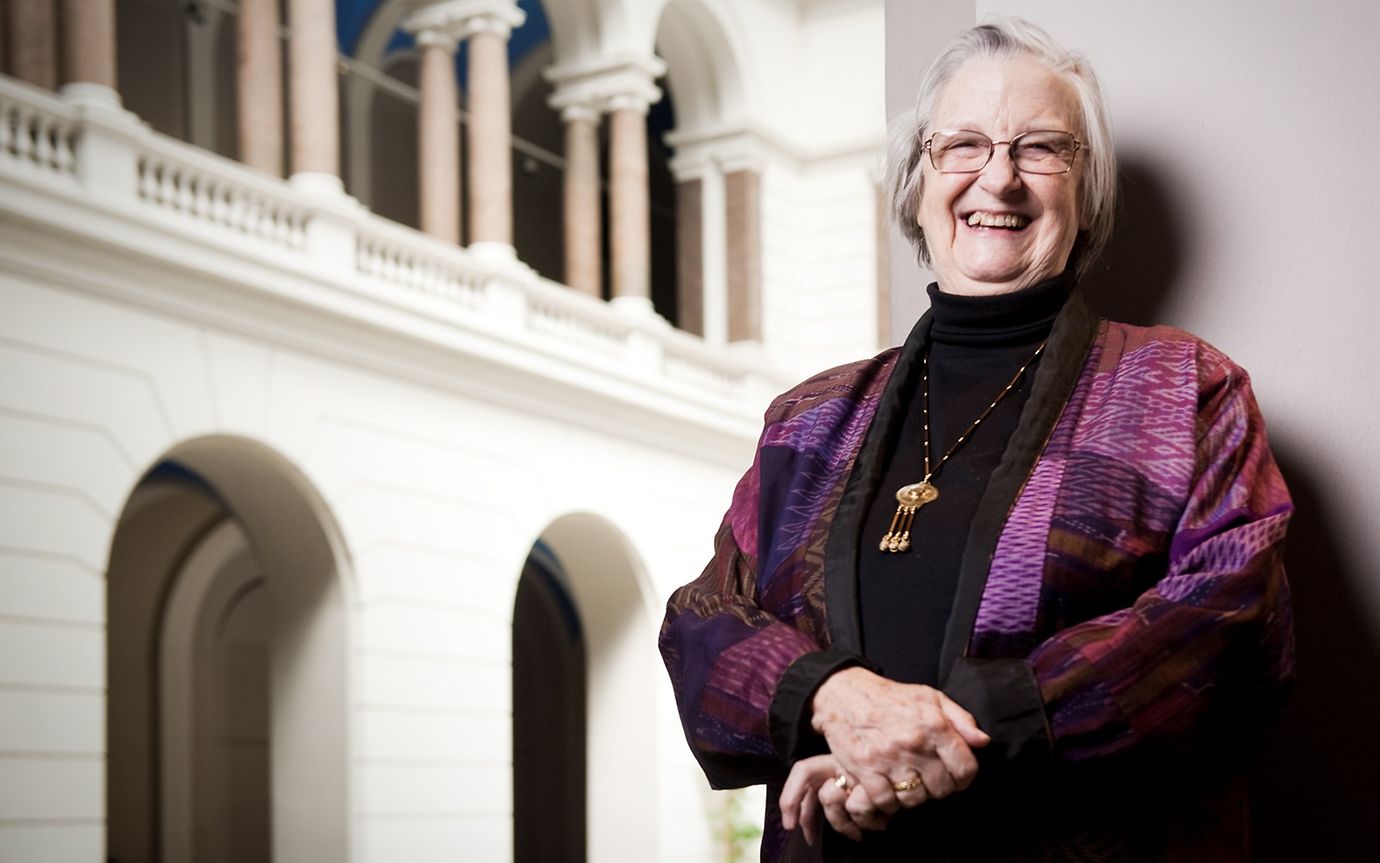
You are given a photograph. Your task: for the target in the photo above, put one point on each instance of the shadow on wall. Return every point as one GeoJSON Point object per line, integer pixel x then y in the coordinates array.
{"type": "Point", "coordinates": [1141, 264]}
{"type": "Point", "coordinates": [1313, 792]}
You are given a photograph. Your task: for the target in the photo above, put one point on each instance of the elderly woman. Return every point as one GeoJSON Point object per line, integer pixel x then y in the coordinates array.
{"type": "Point", "coordinates": [1013, 590]}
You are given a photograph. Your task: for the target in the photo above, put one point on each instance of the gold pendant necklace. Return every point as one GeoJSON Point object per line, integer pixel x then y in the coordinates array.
{"type": "Point", "coordinates": [910, 498]}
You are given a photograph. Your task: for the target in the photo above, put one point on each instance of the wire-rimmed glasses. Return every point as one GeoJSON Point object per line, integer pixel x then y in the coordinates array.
{"type": "Point", "coordinates": [1039, 151]}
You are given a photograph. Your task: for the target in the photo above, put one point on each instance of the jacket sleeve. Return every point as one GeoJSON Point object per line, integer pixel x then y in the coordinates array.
{"type": "Point", "coordinates": [1203, 656]}
{"type": "Point", "coordinates": [727, 656]}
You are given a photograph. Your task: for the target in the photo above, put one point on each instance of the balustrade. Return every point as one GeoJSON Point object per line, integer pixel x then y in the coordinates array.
{"type": "Point", "coordinates": [163, 187]}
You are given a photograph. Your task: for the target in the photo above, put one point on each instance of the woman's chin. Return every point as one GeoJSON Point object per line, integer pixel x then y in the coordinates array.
{"type": "Point", "coordinates": [992, 281]}
{"type": "Point", "coordinates": [1002, 275]}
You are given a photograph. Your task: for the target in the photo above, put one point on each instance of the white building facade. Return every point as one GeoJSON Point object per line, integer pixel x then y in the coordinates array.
{"type": "Point", "coordinates": [274, 468]}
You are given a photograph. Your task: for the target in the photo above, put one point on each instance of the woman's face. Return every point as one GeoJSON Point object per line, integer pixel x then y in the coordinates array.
{"type": "Point", "coordinates": [1001, 98]}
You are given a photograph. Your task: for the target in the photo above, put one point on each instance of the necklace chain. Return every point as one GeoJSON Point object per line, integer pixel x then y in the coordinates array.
{"type": "Point", "coordinates": [910, 498]}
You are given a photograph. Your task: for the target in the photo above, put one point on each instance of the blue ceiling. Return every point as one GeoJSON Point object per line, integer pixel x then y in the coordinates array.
{"type": "Point", "coordinates": [352, 17]}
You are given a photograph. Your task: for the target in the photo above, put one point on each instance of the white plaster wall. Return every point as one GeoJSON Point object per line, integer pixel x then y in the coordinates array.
{"type": "Point", "coordinates": [816, 71]}
{"type": "Point", "coordinates": [819, 279]}
{"type": "Point", "coordinates": [812, 74]}
{"type": "Point", "coordinates": [840, 99]}
{"type": "Point", "coordinates": [766, 37]}
{"type": "Point", "coordinates": [825, 102]}
{"type": "Point", "coordinates": [438, 499]}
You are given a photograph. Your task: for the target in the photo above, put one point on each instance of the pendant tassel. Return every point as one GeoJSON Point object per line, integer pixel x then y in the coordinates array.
{"type": "Point", "coordinates": [898, 536]}
{"type": "Point", "coordinates": [911, 497]}
{"type": "Point", "coordinates": [891, 531]}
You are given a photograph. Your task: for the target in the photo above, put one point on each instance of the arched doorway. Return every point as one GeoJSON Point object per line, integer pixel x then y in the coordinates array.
{"type": "Point", "coordinates": [212, 663]}
{"type": "Point", "coordinates": [227, 706]}
{"type": "Point", "coordinates": [549, 807]}
{"type": "Point", "coordinates": [583, 575]}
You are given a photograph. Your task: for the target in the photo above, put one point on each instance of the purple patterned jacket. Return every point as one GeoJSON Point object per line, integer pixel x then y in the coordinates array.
{"type": "Point", "coordinates": [1121, 598]}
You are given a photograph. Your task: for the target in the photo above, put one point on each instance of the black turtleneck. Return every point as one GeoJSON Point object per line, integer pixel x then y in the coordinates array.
{"type": "Point", "coordinates": [976, 345]}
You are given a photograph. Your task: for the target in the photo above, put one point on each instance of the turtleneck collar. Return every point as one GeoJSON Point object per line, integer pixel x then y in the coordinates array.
{"type": "Point", "coordinates": [1022, 317]}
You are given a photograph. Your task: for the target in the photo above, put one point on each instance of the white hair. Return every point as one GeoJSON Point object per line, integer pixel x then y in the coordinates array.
{"type": "Point", "coordinates": [1001, 38]}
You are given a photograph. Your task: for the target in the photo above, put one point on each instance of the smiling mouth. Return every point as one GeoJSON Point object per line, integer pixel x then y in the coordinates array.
{"type": "Point", "coordinates": [1007, 221]}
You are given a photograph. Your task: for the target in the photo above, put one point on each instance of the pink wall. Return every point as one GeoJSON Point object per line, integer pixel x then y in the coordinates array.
{"type": "Point", "coordinates": [1233, 230]}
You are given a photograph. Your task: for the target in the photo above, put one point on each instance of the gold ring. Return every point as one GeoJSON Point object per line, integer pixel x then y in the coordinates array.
{"type": "Point", "coordinates": [910, 784]}
{"type": "Point", "coordinates": [841, 781]}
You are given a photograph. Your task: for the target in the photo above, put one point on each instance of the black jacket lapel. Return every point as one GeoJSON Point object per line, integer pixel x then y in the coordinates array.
{"type": "Point", "coordinates": [845, 534]}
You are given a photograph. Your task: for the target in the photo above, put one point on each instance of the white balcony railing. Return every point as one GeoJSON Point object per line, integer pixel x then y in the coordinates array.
{"type": "Point", "coordinates": [88, 154]}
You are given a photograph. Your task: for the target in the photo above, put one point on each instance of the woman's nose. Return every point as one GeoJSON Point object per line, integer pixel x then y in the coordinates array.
{"type": "Point", "coordinates": [1000, 176]}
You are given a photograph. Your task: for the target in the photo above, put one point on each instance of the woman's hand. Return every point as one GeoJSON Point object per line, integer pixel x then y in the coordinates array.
{"type": "Point", "coordinates": [813, 786]}
{"type": "Point", "coordinates": [902, 744]}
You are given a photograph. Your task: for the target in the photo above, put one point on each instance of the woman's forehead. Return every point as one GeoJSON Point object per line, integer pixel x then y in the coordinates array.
{"type": "Point", "coordinates": [1006, 91]}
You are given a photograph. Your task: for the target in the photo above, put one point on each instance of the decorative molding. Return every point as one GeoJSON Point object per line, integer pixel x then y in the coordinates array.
{"type": "Point", "coordinates": [607, 83]}
{"type": "Point", "coordinates": [723, 148]}
{"type": "Point", "coordinates": [498, 26]}
{"type": "Point", "coordinates": [460, 19]}
{"type": "Point", "coordinates": [118, 211]}
{"type": "Point", "coordinates": [436, 37]}
{"type": "Point", "coordinates": [838, 7]}
{"type": "Point", "coordinates": [630, 101]}
{"type": "Point", "coordinates": [87, 93]}
{"type": "Point", "coordinates": [577, 113]}
{"type": "Point", "coordinates": [747, 145]}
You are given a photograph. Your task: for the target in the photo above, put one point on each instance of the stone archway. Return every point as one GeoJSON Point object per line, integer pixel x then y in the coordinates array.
{"type": "Point", "coordinates": [717, 174]}
{"type": "Point", "coordinates": [704, 65]}
{"type": "Point", "coordinates": [225, 546]}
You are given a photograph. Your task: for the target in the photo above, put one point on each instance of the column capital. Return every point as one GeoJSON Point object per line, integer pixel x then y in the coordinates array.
{"type": "Point", "coordinates": [690, 167]}
{"type": "Point", "coordinates": [725, 148]}
{"type": "Point", "coordinates": [639, 102]}
{"type": "Point", "coordinates": [435, 36]}
{"type": "Point", "coordinates": [607, 83]}
{"type": "Point", "coordinates": [575, 113]}
{"type": "Point", "coordinates": [460, 19]}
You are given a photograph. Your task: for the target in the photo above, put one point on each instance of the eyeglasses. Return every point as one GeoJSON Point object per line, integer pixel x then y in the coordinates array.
{"type": "Point", "coordinates": [1041, 151]}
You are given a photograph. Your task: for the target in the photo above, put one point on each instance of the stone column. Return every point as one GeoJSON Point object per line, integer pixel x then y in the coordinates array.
{"type": "Point", "coordinates": [438, 137]}
{"type": "Point", "coordinates": [314, 97]}
{"type": "Point", "coordinates": [701, 235]}
{"type": "Point", "coordinates": [88, 48]}
{"type": "Point", "coordinates": [260, 86]}
{"type": "Point", "coordinates": [31, 41]}
{"type": "Point", "coordinates": [488, 24]}
{"type": "Point", "coordinates": [690, 255]}
{"type": "Point", "coordinates": [583, 234]}
{"type": "Point", "coordinates": [623, 88]}
{"type": "Point", "coordinates": [630, 200]}
{"type": "Point", "coordinates": [743, 215]}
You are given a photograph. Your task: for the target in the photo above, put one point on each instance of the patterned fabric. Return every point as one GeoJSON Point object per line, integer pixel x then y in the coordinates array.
{"type": "Point", "coordinates": [1137, 573]}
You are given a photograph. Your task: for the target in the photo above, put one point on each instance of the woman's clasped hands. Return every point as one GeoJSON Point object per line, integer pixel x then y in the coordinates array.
{"type": "Point", "coordinates": [891, 746]}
